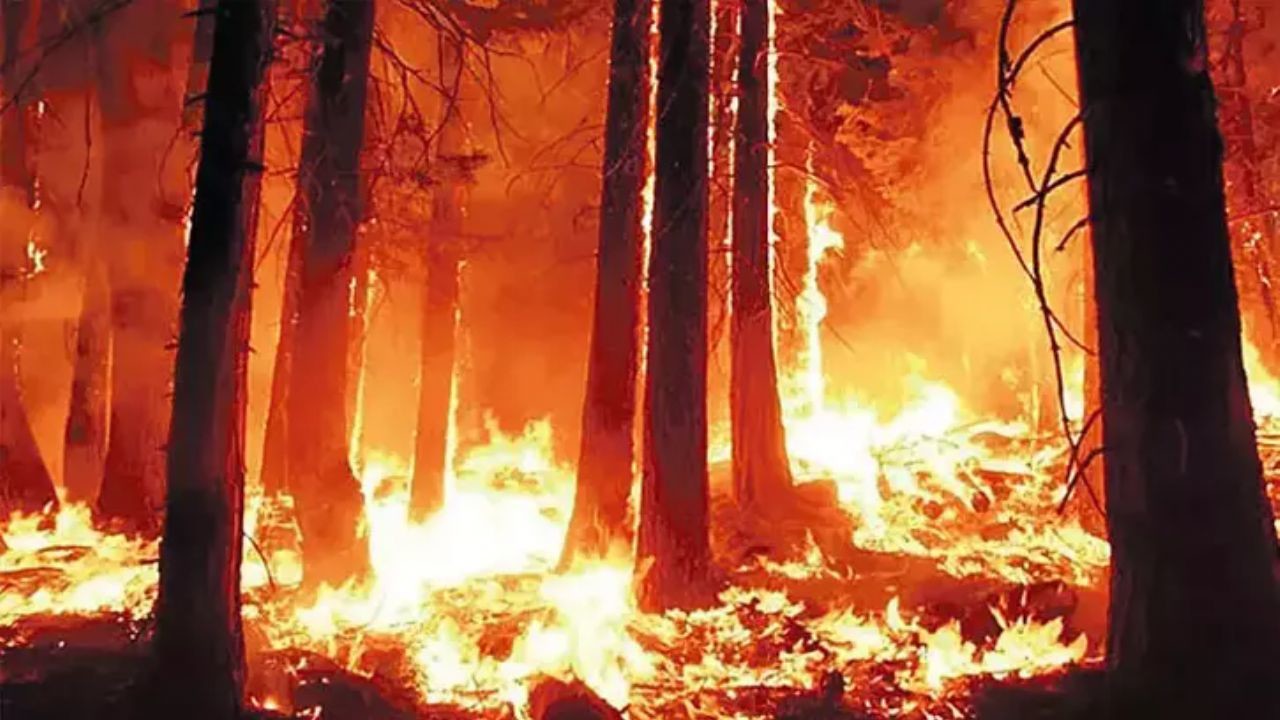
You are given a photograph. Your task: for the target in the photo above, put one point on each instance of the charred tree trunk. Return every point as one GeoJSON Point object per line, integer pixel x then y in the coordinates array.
{"type": "Point", "coordinates": [145, 262]}
{"type": "Point", "coordinates": [85, 434]}
{"type": "Point", "coordinates": [761, 471]}
{"type": "Point", "coordinates": [724, 45]}
{"type": "Point", "coordinates": [275, 443]}
{"type": "Point", "coordinates": [606, 456]}
{"type": "Point", "coordinates": [199, 648]}
{"type": "Point", "coordinates": [1195, 612]}
{"type": "Point", "coordinates": [24, 481]}
{"type": "Point", "coordinates": [329, 502]}
{"type": "Point", "coordinates": [673, 545]}
{"type": "Point", "coordinates": [440, 295]}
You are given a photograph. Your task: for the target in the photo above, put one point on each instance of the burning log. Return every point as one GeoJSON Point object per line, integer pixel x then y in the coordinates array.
{"type": "Point", "coordinates": [826, 702]}
{"type": "Point", "coordinates": [553, 699]}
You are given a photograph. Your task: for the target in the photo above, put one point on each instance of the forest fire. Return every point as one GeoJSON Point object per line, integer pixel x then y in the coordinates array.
{"type": "Point", "coordinates": [565, 360]}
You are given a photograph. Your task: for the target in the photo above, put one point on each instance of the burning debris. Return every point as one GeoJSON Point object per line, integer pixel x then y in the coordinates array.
{"type": "Point", "coordinates": [822, 460]}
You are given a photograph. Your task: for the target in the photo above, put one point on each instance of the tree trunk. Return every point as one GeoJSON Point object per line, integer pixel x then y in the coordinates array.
{"type": "Point", "coordinates": [790, 190]}
{"type": "Point", "coordinates": [25, 483]}
{"type": "Point", "coordinates": [673, 547]}
{"type": "Point", "coordinates": [85, 434]}
{"type": "Point", "coordinates": [761, 471]}
{"type": "Point", "coordinates": [329, 502]}
{"type": "Point", "coordinates": [199, 666]}
{"type": "Point", "coordinates": [724, 46]}
{"type": "Point", "coordinates": [1195, 613]}
{"type": "Point", "coordinates": [140, 120]}
{"type": "Point", "coordinates": [440, 295]}
{"type": "Point", "coordinates": [275, 443]}
{"type": "Point", "coordinates": [606, 455]}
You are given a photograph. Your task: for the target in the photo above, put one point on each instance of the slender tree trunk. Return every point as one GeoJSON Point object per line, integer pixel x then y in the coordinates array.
{"type": "Point", "coordinates": [24, 481]}
{"type": "Point", "coordinates": [1195, 612]}
{"type": "Point", "coordinates": [85, 434]}
{"type": "Point", "coordinates": [275, 448]}
{"type": "Point", "coordinates": [606, 456]}
{"type": "Point", "coordinates": [329, 502]}
{"type": "Point", "coordinates": [761, 471]}
{"type": "Point", "coordinates": [275, 442]}
{"type": "Point", "coordinates": [673, 546]}
{"type": "Point", "coordinates": [199, 648]}
{"type": "Point", "coordinates": [724, 46]}
{"type": "Point", "coordinates": [790, 190]}
{"type": "Point", "coordinates": [440, 295]}
{"type": "Point", "coordinates": [146, 256]}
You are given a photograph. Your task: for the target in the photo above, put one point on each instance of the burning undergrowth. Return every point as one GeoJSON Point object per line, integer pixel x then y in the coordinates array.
{"type": "Point", "coordinates": [957, 570]}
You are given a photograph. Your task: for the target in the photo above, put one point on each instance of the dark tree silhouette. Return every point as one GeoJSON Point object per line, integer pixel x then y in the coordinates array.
{"type": "Point", "coordinates": [146, 255]}
{"type": "Point", "coordinates": [329, 502]}
{"type": "Point", "coordinates": [673, 548]}
{"type": "Point", "coordinates": [24, 481]}
{"type": "Point", "coordinates": [199, 649]}
{"type": "Point", "coordinates": [441, 256]}
{"type": "Point", "coordinates": [761, 471]}
{"type": "Point", "coordinates": [605, 459]}
{"type": "Point", "coordinates": [1195, 612]}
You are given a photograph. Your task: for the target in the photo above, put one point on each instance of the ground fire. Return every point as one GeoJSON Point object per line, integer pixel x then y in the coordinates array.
{"type": "Point", "coordinates": [561, 359]}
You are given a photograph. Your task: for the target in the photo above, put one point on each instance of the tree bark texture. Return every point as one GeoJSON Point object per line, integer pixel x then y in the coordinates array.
{"type": "Point", "coordinates": [143, 205]}
{"type": "Point", "coordinates": [1195, 613]}
{"type": "Point", "coordinates": [606, 455]}
{"type": "Point", "coordinates": [199, 647]}
{"type": "Point", "coordinates": [25, 483]}
{"type": "Point", "coordinates": [441, 257]}
{"type": "Point", "coordinates": [761, 471]}
{"type": "Point", "coordinates": [327, 494]}
{"type": "Point", "coordinates": [673, 547]}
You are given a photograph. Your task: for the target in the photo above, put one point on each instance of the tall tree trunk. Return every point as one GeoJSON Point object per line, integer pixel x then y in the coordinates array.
{"type": "Point", "coordinates": [761, 471]}
{"type": "Point", "coordinates": [1195, 612]}
{"type": "Point", "coordinates": [144, 201]}
{"type": "Point", "coordinates": [440, 294]}
{"type": "Point", "coordinates": [275, 443]}
{"type": "Point", "coordinates": [199, 666]}
{"type": "Point", "coordinates": [606, 455]}
{"type": "Point", "coordinates": [329, 502]}
{"type": "Point", "coordinates": [790, 190]}
{"type": "Point", "coordinates": [85, 433]}
{"type": "Point", "coordinates": [724, 45]}
{"type": "Point", "coordinates": [673, 546]}
{"type": "Point", "coordinates": [25, 483]}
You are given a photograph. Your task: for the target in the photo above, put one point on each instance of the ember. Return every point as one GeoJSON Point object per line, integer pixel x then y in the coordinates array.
{"type": "Point", "coordinates": [871, 373]}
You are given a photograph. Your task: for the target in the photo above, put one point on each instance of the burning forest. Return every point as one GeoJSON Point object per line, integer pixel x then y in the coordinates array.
{"type": "Point", "coordinates": [650, 359]}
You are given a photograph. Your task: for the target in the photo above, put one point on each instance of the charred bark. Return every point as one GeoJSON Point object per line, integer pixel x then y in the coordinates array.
{"type": "Point", "coordinates": [790, 190]}
{"type": "Point", "coordinates": [606, 455]}
{"type": "Point", "coordinates": [1195, 612]}
{"type": "Point", "coordinates": [329, 502]}
{"type": "Point", "coordinates": [25, 483]}
{"type": "Point", "coordinates": [199, 666]}
{"type": "Point", "coordinates": [145, 262]}
{"type": "Point", "coordinates": [673, 547]}
{"type": "Point", "coordinates": [440, 295]}
{"type": "Point", "coordinates": [761, 471]}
